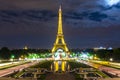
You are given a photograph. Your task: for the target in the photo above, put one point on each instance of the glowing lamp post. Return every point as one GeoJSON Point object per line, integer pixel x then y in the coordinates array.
{"type": "Point", "coordinates": [111, 59]}
{"type": "Point", "coordinates": [12, 58]}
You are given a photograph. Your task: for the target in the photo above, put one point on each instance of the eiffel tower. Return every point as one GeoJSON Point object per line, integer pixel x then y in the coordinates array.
{"type": "Point", "coordinates": [60, 42]}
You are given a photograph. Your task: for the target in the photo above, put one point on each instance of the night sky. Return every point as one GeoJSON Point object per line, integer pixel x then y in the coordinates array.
{"type": "Point", "coordinates": [86, 23]}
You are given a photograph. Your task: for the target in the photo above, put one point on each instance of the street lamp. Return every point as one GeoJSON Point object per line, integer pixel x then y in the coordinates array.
{"type": "Point", "coordinates": [111, 59]}
{"type": "Point", "coordinates": [12, 58]}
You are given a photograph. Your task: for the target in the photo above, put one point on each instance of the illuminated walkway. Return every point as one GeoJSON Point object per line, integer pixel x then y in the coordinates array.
{"type": "Point", "coordinates": [60, 76]}
{"type": "Point", "coordinates": [113, 71]}
{"type": "Point", "coordinates": [14, 69]}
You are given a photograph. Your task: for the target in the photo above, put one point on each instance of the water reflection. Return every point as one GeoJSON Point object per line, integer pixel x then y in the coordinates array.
{"type": "Point", "coordinates": [60, 66]}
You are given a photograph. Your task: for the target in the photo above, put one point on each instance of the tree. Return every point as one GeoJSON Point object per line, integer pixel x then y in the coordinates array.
{"type": "Point", "coordinates": [5, 53]}
{"type": "Point", "coordinates": [116, 53]}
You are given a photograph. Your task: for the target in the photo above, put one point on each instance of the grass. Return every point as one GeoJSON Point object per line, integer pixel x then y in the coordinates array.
{"type": "Point", "coordinates": [74, 64]}
{"type": "Point", "coordinates": [77, 77]}
{"type": "Point", "coordinates": [44, 64]}
{"type": "Point", "coordinates": [4, 62]}
{"type": "Point", "coordinates": [102, 74]}
{"type": "Point", "coordinates": [42, 77]}
{"type": "Point", "coordinates": [19, 74]}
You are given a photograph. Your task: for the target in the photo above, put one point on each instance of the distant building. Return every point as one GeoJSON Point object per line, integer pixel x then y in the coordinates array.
{"type": "Point", "coordinates": [25, 48]}
{"type": "Point", "coordinates": [110, 48]}
{"type": "Point", "coordinates": [100, 48]}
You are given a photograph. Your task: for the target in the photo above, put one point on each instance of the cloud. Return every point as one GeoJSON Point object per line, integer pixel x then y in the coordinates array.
{"type": "Point", "coordinates": [15, 16]}
{"type": "Point", "coordinates": [97, 16]}
{"type": "Point", "coordinates": [88, 19]}
{"type": "Point", "coordinates": [86, 22]}
{"type": "Point", "coordinates": [44, 15]}
{"type": "Point", "coordinates": [28, 4]}
{"type": "Point", "coordinates": [94, 16]}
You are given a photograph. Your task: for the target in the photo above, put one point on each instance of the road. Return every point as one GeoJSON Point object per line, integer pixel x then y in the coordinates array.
{"type": "Point", "coordinates": [11, 64]}
{"type": "Point", "coordinates": [107, 63]}
{"type": "Point", "coordinates": [109, 70]}
{"type": "Point", "coordinates": [14, 69]}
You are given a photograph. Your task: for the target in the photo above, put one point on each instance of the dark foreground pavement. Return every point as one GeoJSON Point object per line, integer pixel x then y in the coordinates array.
{"type": "Point", "coordinates": [59, 76]}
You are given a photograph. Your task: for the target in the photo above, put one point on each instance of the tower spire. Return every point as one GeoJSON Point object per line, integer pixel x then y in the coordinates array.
{"type": "Point", "coordinates": [60, 21]}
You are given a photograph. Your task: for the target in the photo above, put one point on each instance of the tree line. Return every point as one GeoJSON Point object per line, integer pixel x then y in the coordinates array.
{"type": "Point", "coordinates": [6, 53]}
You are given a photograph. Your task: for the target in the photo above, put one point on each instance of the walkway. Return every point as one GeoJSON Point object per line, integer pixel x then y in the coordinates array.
{"type": "Point", "coordinates": [113, 71]}
{"type": "Point", "coordinates": [60, 76]}
{"type": "Point", "coordinates": [14, 69]}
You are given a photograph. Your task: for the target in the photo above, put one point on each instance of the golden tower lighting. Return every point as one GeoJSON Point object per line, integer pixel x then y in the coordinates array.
{"type": "Point", "coordinates": [60, 42]}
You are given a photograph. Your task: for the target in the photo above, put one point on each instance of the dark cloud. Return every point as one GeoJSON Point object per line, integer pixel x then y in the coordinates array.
{"type": "Point", "coordinates": [39, 15]}
{"type": "Point", "coordinates": [95, 16]}
{"type": "Point", "coordinates": [86, 23]}
{"type": "Point", "coordinates": [28, 4]}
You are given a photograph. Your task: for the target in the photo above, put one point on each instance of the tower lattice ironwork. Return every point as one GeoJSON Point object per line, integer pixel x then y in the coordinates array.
{"type": "Point", "coordinates": [60, 42]}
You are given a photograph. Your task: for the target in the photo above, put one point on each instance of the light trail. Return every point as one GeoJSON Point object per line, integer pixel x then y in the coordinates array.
{"type": "Point", "coordinates": [4, 64]}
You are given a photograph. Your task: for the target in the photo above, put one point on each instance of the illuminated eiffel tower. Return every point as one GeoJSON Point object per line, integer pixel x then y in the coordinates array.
{"type": "Point", "coordinates": [60, 42]}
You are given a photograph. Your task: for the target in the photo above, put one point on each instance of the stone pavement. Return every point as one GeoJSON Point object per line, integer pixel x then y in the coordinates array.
{"type": "Point", "coordinates": [59, 76]}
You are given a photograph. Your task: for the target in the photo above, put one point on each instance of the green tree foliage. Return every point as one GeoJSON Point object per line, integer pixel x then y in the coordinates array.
{"type": "Point", "coordinates": [74, 64]}
{"type": "Point", "coordinates": [5, 53]}
{"type": "Point", "coordinates": [116, 54]}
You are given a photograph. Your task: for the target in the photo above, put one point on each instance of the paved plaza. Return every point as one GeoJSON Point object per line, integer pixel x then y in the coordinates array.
{"type": "Point", "coordinates": [60, 76]}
